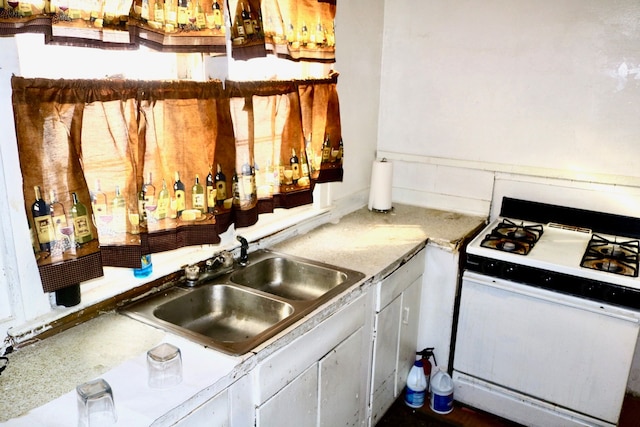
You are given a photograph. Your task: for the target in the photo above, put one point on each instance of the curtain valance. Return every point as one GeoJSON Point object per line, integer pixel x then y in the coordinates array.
{"type": "Point", "coordinates": [113, 170]}
{"type": "Point", "coordinates": [295, 29]}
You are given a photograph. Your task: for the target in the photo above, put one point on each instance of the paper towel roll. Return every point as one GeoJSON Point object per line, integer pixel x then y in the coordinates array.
{"type": "Point", "coordinates": [380, 192]}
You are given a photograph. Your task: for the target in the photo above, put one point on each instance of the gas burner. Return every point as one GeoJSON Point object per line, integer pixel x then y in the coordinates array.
{"type": "Point", "coordinates": [612, 256]}
{"type": "Point", "coordinates": [508, 236]}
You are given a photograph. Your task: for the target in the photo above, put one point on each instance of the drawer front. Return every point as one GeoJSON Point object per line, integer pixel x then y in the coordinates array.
{"type": "Point", "coordinates": [394, 284]}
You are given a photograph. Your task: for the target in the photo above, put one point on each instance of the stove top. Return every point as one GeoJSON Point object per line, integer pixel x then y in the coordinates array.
{"type": "Point", "coordinates": [563, 249]}
{"type": "Point", "coordinates": [574, 259]}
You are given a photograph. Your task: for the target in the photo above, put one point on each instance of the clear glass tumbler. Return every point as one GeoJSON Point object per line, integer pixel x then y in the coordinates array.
{"type": "Point", "coordinates": [164, 365]}
{"type": "Point", "coordinates": [96, 407]}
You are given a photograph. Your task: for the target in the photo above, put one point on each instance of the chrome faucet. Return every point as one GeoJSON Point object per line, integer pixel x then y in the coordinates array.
{"type": "Point", "coordinates": [223, 258]}
{"type": "Point", "coordinates": [244, 251]}
{"type": "Point", "coordinates": [221, 263]}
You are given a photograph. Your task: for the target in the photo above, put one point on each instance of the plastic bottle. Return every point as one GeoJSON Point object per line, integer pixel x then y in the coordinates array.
{"type": "Point", "coordinates": [146, 267]}
{"type": "Point", "coordinates": [416, 389]}
{"type": "Point", "coordinates": [441, 392]}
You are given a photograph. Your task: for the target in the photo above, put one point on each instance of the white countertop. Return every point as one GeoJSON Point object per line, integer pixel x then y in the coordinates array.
{"type": "Point", "coordinates": [42, 377]}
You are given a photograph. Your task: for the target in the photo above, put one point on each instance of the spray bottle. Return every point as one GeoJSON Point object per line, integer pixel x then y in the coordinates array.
{"type": "Point", "coordinates": [427, 354]}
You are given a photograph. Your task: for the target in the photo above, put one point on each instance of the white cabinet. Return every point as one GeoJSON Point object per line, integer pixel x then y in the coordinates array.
{"type": "Point", "coordinates": [340, 397]}
{"type": "Point", "coordinates": [326, 394]}
{"type": "Point", "coordinates": [213, 413]}
{"type": "Point", "coordinates": [385, 359]}
{"type": "Point", "coordinates": [296, 405]}
{"type": "Point", "coordinates": [319, 379]}
{"type": "Point", "coordinates": [396, 334]}
{"type": "Point", "coordinates": [408, 335]}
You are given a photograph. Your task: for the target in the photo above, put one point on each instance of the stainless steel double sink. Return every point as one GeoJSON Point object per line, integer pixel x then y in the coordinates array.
{"type": "Point", "coordinates": [238, 311]}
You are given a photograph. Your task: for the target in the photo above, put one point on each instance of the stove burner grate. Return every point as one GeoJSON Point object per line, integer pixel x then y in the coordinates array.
{"type": "Point", "coordinates": [612, 256]}
{"type": "Point", "coordinates": [508, 236]}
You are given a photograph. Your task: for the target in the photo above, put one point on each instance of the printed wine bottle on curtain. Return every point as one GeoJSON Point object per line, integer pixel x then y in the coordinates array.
{"type": "Point", "coordinates": [246, 22]}
{"type": "Point", "coordinates": [326, 150]}
{"type": "Point", "coordinates": [148, 200]}
{"type": "Point", "coordinates": [158, 11]}
{"type": "Point", "coordinates": [149, 191]}
{"type": "Point", "coordinates": [239, 31]}
{"type": "Point", "coordinates": [119, 211]}
{"type": "Point", "coordinates": [295, 166]}
{"type": "Point", "coordinates": [221, 186]}
{"type": "Point", "coordinates": [217, 15]}
{"type": "Point", "coordinates": [247, 187]}
{"type": "Point", "coordinates": [310, 155]}
{"type": "Point", "coordinates": [291, 36]}
{"type": "Point", "coordinates": [319, 36]}
{"type": "Point", "coordinates": [211, 191]}
{"type": "Point", "coordinates": [42, 221]}
{"type": "Point", "coordinates": [235, 188]}
{"type": "Point", "coordinates": [304, 34]}
{"type": "Point", "coordinates": [60, 226]}
{"type": "Point", "coordinates": [179, 193]}
{"type": "Point", "coordinates": [81, 221]}
{"type": "Point", "coordinates": [164, 200]}
{"type": "Point", "coordinates": [144, 13]}
{"type": "Point", "coordinates": [98, 202]}
{"type": "Point", "coordinates": [183, 14]}
{"type": "Point", "coordinates": [142, 212]}
{"type": "Point", "coordinates": [197, 196]}
{"type": "Point", "coordinates": [170, 15]}
{"type": "Point", "coordinates": [201, 21]}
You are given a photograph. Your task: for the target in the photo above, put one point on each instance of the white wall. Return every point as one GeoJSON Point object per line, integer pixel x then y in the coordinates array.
{"type": "Point", "coordinates": [528, 87]}
{"type": "Point", "coordinates": [359, 25]}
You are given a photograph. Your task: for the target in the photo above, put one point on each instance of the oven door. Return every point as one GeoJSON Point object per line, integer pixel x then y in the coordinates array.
{"type": "Point", "coordinates": [552, 348]}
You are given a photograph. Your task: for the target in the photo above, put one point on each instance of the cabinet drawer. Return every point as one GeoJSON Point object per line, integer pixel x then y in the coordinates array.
{"type": "Point", "coordinates": [394, 284]}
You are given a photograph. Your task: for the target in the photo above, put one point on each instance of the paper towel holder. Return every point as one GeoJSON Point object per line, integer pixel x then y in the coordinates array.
{"type": "Point", "coordinates": [371, 207]}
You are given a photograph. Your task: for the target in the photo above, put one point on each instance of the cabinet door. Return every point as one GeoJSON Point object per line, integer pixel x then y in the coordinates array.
{"type": "Point", "coordinates": [340, 394]}
{"type": "Point", "coordinates": [213, 413]}
{"type": "Point", "coordinates": [385, 359]}
{"type": "Point", "coordinates": [409, 323]}
{"type": "Point", "coordinates": [296, 405]}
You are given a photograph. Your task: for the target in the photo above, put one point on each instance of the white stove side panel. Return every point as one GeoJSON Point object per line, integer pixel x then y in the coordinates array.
{"type": "Point", "coordinates": [614, 199]}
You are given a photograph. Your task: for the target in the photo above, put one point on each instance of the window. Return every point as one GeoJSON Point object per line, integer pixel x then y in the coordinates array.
{"type": "Point", "coordinates": [127, 65]}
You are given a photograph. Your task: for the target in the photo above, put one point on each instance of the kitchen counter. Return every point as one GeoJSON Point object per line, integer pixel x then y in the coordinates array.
{"type": "Point", "coordinates": [113, 346]}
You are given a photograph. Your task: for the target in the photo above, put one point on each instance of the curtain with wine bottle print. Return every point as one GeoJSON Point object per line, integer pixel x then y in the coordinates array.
{"type": "Point", "coordinates": [113, 170]}
{"type": "Point", "coordinates": [295, 29]}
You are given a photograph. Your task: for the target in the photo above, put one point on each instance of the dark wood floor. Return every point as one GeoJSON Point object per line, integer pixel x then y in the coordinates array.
{"type": "Point", "coordinates": [461, 416]}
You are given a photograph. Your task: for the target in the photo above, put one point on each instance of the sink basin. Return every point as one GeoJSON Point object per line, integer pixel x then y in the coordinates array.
{"type": "Point", "coordinates": [239, 310]}
{"type": "Point", "coordinates": [224, 313]}
{"type": "Point", "coordinates": [288, 278]}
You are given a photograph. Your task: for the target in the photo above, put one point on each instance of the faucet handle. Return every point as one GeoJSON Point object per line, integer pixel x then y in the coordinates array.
{"type": "Point", "coordinates": [191, 272]}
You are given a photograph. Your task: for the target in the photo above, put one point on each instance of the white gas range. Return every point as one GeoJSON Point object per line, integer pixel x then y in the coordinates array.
{"type": "Point", "coordinates": [549, 294]}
